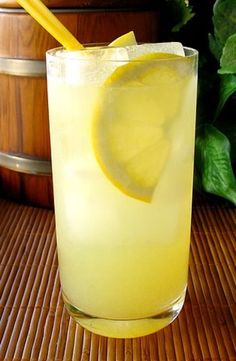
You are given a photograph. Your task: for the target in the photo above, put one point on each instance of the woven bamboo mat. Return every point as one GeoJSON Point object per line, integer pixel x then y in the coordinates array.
{"type": "Point", "coordinates": [35, 326]}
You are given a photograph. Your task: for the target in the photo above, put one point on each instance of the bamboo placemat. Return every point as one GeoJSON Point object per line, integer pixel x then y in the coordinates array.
{"type": "Point", "coordinates": [35, 326]}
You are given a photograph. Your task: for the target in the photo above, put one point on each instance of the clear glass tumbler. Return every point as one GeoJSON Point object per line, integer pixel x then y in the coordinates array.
{"type": "Point", "coordinates": [122, 141]}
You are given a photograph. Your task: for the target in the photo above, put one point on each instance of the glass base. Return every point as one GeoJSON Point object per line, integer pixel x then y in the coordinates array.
{"type": "Point", "coordinates": [125, 328]}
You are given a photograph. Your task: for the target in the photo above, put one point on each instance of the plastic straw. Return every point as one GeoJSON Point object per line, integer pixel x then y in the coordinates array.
{"type": "Point", "coordinates": [50, 23]}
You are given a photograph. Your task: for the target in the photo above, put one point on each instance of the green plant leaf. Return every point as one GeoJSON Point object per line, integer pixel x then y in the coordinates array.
{"type": "Point", "coordinates": [178, 13]}
{"type": "Point", "coordinates": [226, 89]}
{"type": "Point", "coordinates": [213, 164]}
{"type": "Point", "coordinates": [214, 47]}
{"type": "Point", "coordinates": [228, 127]}
{"type": "Point", "coordinates": [184, 14]}
{"type": "Point", "coordinates": [228, 57]}
{"type": "Point", "coordinates": [224, 20]}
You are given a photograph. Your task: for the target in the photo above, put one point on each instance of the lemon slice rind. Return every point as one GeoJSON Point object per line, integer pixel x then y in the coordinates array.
{"type": "Point", "coordinates": [127, 39]}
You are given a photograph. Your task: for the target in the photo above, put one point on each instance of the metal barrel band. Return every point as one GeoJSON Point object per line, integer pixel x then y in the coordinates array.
{"type": "Point", "coordinates": [25, 165]}
{"type": "Point", "coordinates": [23, 67]}
{"type": "Point", "coordinates": [85, 10]}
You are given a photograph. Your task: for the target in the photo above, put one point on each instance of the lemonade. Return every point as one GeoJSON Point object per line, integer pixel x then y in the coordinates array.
{"type": "Point", "coordinates": [122, 138]}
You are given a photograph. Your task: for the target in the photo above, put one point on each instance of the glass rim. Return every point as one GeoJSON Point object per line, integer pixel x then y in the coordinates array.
{"type": "Point", "coordinates": [58, 53]}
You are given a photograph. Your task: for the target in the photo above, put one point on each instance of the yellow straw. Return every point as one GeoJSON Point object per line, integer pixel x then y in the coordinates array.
{"type": "Point", "coordinates": [50, 23]}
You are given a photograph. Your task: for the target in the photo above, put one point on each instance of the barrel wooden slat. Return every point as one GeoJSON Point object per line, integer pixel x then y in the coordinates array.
{"type": "Point", "coordinates": [23, 126]}
{"type": "Point", "coordinates": [27, 188]}
{"type": "Point", "coordinates": [26, 38]}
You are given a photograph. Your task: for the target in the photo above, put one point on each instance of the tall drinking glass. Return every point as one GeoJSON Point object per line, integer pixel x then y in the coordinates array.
{"type": "Point", "coordinates": [122, 140]}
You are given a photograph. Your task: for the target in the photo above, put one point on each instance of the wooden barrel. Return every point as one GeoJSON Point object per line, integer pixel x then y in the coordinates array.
{"type": "Point", "coordinates": [25, 168]}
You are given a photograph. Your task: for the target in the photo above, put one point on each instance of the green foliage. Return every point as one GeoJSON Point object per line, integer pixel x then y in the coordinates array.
{"type": "Point", "coordinates": [228, 57]}
{"type": "Point", "coordinates": [216, 147]}
{"type": "Point", "coordinates": [215, 47]}
{"type": "Point", "coordinates": [224, 20]}
{"type": "Point", "coordinates": [215, 29]}
{"type": "Point", "coordinates": [227, 87]}
{"type": "Point", "coordinates": [182, 13]}
{"type": "Point", "coordinates": [228, 127]}
{"type": "Point", "coordinates": [176, 14]}
{"type": "Point", "coordinates": [213, 163]}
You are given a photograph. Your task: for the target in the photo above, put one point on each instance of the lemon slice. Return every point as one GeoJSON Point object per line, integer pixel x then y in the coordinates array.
{"type": "Point", "coordinates": [128, 135]}
{"type": "Point", "coordinates": [125, 40]}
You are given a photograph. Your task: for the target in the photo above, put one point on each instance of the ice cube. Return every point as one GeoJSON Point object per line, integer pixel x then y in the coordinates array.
{"type": "Point", "coordinates": [170, 47]}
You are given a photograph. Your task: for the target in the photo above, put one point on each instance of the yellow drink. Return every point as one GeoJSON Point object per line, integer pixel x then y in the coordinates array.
{"type": "Point", "coordinates": [123, 260]}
